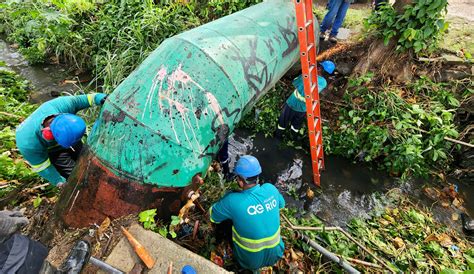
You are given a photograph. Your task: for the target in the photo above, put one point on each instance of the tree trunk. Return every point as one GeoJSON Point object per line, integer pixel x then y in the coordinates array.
{"type": "Point", "coordinates": [383, 59]}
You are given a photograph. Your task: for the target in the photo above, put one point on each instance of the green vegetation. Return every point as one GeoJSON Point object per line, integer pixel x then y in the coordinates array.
{"type": "Point", "coordinates": [418, 27]}
{"type": "Point", "coordinates": [263, 118]}
{"type": "Point", "coordinates": [382, 123]}
{"type": "Point", "coordinates": [404, 235]}
{"type": "Point", "coordinates": [13, 102]}
{"type": "Point", "coordinates": [108, 38]}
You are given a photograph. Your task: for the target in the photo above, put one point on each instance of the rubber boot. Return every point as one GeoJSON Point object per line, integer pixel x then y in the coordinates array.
{"type": "Point", "coordinates": [76, 260]}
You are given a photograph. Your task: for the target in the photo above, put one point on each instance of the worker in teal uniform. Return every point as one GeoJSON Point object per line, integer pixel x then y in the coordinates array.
{"type": "Point", "coordinates": [294, 111]}
{"type": "Point", "coordinates": [255, 215]}
{"type": "Point", "coordinates": [50, 138]}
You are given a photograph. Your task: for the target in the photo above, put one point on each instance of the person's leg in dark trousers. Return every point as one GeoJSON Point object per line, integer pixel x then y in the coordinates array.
{"type": "Point", "coordinates": [64, 160]}
{"type": "Point", "coordinates": [333, 7]}
{"type": "Point", "coordinates": [223, 158]}
{"type": "Point", "coordinates": [341, 14]}
{"type": "Point", "coordinates": [297, 119]}
{"type": "Point", "coordinates": [283, 121]}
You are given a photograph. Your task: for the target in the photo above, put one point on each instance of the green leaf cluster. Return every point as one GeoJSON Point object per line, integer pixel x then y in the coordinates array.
{"type": "Point", "coordinates": [14, 105]}
{"type": "Point", "coordinates": [411, 239]}
{"type": "Point", "coordinates": [147, 218]}
{"type": "Point", "coordinates": [263, 118]}
{"type": "Point", "coordinates": [418, 27]}
{"type": "Point", "coordinates": [402, 128]}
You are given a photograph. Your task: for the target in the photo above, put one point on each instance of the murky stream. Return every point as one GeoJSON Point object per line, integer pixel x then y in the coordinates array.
{"type": "Point", "coordinates": [348, 190]}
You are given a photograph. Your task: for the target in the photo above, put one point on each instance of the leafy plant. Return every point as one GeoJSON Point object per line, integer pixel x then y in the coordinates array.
{"type": "Point", "coordinates": [418, 27]}
{"type": "Point", "coordinates": [147, 218]}
{"type": "Point", "coordinates": [37, 201]}
{"type": "Point", "coordinates": [13, 101]}
{"type": "Point", "coordinates": [263, 117]}
{"type": "Point", "coordinates": [108, 38]}
{"type": "Point", "coordinates": [403, 128]}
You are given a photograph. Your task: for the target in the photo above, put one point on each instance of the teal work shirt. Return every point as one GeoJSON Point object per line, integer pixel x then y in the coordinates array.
{"type": "Point", "coordinates": [296, 100]}
{"type": "Point", "coordinates": [255, 213]}
{"type": "Point", "coordinates": [29, 138]}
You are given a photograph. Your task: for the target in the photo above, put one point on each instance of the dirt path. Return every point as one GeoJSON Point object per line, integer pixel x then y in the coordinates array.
{"type": "Point", "coordinates": [461, 8]}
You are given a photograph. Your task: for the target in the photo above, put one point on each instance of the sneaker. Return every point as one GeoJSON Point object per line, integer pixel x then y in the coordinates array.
{"type": "Point", "coordinates": [322, 36]}
{"type": "Point", "coordinates": [332, 39]}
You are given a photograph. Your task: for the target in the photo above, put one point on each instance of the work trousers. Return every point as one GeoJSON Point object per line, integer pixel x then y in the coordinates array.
{"type": "Point", "coordinates": [223, 157]}
{"type": "Point", "coordinates": [21, 255]}
{"type": "Point", "coordinates": [290, 118]}
{"type": "Point", "coordinates": [64, 160]}
{"type": "Point", "coordinates": [337, 10]}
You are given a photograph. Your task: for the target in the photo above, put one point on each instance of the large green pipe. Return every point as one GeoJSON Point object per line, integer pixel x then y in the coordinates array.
{"type": "Point", "coordinates": [164, 123]}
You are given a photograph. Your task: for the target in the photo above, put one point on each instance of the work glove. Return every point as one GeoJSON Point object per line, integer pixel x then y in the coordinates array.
{"type": "Point", "coordinates": [99, 98]}
{"type": "Point", "coordinates": [10, 223]}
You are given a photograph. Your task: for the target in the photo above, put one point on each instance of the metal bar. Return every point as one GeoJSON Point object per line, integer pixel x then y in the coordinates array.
{"type": "Point", "coordinates": [105, 266]}
{"type": "Point", "coordinates": [337, 228]}
{"type": "Point", "coordinates": [331, 256]}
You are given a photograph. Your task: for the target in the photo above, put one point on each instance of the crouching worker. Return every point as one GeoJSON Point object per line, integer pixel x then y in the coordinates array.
{"type": "Point", "coordinates": [50, 138]}
{"type": "Point", "coordinates": [294, 110]}
{"type": "Point", "coordinates": [255, 214]}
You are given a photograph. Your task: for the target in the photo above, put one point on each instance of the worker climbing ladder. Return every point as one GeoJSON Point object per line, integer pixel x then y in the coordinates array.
{"type": "Point", "coordinates": [308, 51]}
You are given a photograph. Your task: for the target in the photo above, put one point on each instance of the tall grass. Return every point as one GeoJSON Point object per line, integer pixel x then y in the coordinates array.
{"type": "Point", "coordinates": [109, 39]}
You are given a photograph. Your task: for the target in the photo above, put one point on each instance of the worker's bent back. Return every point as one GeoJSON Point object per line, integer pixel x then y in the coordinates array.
{"type": "Point", "coordinates": [255, 214]}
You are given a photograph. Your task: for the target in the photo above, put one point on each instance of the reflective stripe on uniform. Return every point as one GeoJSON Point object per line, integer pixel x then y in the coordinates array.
{"type": "Point", "coordinates": [256, 245]}
{"type": "Point", "coordinates": [210, 216]}
{"type": "Point", "coordinates": [294, 129]}
{"type": "Point", "coordinates": [90, 99]}
{"type": "Point", "coordinates": [53, 146]}
{"type": "Point", "coordinates": [40, 167]}
{"type": "Point", "coordinates": [298, 95]}
{"type": "Point", "coordinates": [280, 127]}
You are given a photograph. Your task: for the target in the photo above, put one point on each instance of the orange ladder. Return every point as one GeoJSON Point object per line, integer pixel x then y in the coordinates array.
{"type": "Point", "coordinates": [308, 51]}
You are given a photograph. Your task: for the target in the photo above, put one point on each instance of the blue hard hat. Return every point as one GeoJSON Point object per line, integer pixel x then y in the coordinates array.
{"type": "Point", "coordinates": [187, 269]}
{"type": "Point", "coordinates": [67, 129]}
{"type": "Point", "coordinates": [328, 66]}
{"type": "Point", "coordinates": [322, 83]}
{"type": "Point", "coordinates": [247, 166]}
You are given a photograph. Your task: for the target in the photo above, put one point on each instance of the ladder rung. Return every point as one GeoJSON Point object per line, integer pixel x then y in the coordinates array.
{"type": "Point", "coordinates": [318, 151]}
{"type": "Point", "coordinates": [308, 23]}
{"type": "Point", "coordinates": [315, 122]}
{"type": "Point", "coordinates": [318, 134]}
{"type": "Point", "coordinates": [313, 87]}
{"type": "Point", "coordinates": [320, 163]}
{"type": "Point", "coordinates": [315, 104]}
{"type": "Point", "coordinates": [310, 46]}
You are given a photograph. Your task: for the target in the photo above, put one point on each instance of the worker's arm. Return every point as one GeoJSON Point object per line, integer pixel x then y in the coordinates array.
{"type": "Point", "coordinates": [220, 211]}
{"type": "Point", "coordinates": [40, 163]}
{"type": "Point", "coordinates": [73, 104]}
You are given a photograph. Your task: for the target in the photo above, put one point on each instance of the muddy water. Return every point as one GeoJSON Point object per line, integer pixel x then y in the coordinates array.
{"type": "Point", "coordinates": [348, 190]}
{"type": "Point", "coordinates": [45, 78]}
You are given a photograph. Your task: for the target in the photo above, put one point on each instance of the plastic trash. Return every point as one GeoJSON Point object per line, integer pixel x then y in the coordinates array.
{"type": "Point", "coordinates": [187, 269]}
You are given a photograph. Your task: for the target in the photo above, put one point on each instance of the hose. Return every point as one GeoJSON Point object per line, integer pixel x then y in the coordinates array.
{"type": "Point", "coordinates": [331, 256]}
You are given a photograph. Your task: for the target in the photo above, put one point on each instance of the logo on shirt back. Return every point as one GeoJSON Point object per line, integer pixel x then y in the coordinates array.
{"type": "Point", "coordinates": [259, 208]}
